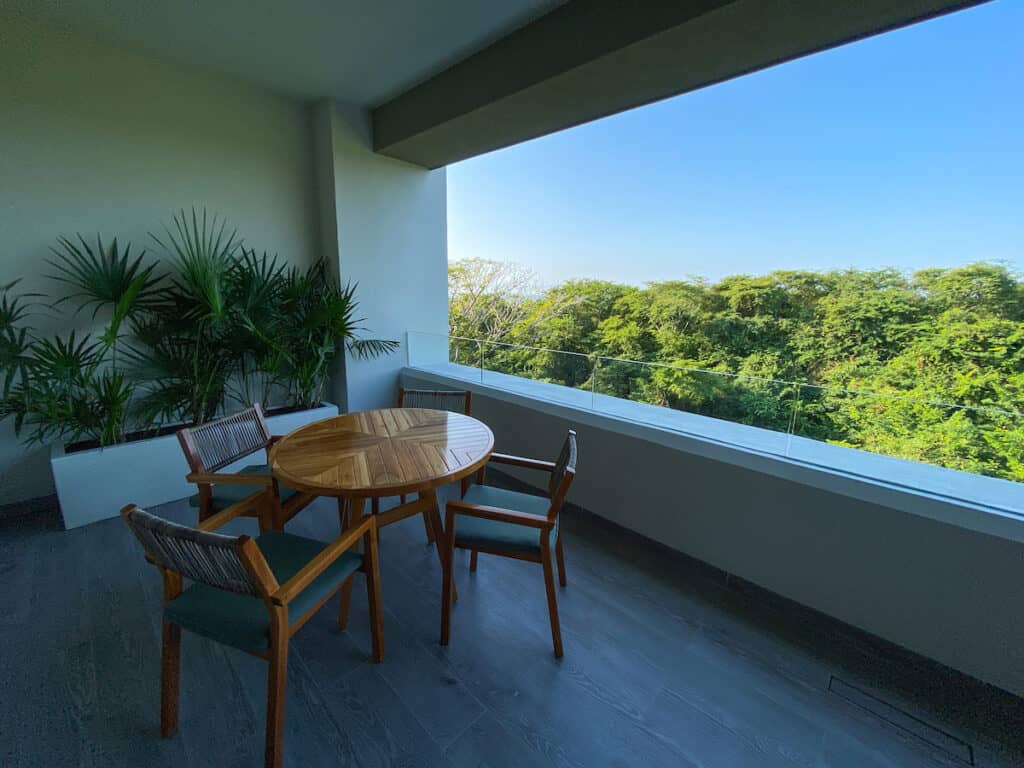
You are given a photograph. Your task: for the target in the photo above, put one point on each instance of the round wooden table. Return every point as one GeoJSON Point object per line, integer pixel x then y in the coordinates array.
{"type": "Point", "coordinates": [387, 452]}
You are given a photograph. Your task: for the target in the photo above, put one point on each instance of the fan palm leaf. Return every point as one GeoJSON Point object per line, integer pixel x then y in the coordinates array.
{"type": "Point", "coordinates": [203, 251]}
{"type": "Point", "coordinates": [104, 276]}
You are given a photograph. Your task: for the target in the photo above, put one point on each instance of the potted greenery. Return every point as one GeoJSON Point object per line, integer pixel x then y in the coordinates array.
{"type": "Point", "coordinates": [224, 329]}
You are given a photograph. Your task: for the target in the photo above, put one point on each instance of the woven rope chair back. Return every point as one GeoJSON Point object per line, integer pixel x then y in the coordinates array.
{"type": "Point", "coordinates": [209, 558]}
{"type": "Point", "coordinates": [566, 463]}
{"type": "Point", "coordinates": [221, 442]}
{"type": "Point", "coordinates": [441, 400]}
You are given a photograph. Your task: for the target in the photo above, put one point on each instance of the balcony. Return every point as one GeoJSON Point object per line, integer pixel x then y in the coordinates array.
{"type": "Point", "coordinates": [738, 593]}
{"type": "Point", "coordinates": [668, 662]}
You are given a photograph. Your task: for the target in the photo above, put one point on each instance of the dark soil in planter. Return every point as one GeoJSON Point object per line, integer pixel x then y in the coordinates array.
{"type": "Point", "coordinates": [146, 434]}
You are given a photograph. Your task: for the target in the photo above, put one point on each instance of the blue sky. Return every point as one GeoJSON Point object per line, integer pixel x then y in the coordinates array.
{"type": "Point", "coordinates": [903, 150]}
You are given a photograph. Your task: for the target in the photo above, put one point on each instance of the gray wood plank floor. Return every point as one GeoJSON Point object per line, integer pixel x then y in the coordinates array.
{"type": "Point", "coordinates": [664, 666]}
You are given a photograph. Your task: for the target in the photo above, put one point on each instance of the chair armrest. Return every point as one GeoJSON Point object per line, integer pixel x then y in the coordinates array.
{"type": "Point", "coordinates": [273, 439]}
{"type": "Point", "coordinates": [287, 591]}
{"type": "Point", "coordinates": [229, 479]}
{"type": "Point", "coordinates": [519, 461]}
{"type": "Point", "coordinates": [227, 515]}
{"type": "Point", "coordinates": [501, 515]}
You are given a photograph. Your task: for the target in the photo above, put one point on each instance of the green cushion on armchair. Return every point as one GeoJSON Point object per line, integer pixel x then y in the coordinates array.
{"type": "Point", "coordinates": [242, 621]}
{"type": "Point", "coordinates": [225, 495]}
{"type": "Point", "coordinates": [475, 532]}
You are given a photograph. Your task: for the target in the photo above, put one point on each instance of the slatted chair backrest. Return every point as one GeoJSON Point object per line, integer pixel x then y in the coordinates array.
{"type": "Point", "coordinates": [216, 444]}
{"type": "Point", "coordinates": [456, 401]}
{"type": "Point", "coordinates": [563, 473]}
{"type": "Point", "coordinates": [210, 558]}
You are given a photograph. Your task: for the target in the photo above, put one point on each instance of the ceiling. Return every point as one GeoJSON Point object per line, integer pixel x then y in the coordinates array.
{"type": "Point", "coordinates": [363, 53]}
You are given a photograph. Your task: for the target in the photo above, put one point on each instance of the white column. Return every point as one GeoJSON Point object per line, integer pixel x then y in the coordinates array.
{"type": "Point", "coordinates": [383, 223]}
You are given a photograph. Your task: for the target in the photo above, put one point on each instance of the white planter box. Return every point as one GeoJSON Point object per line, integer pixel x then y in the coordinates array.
{"type": "Point", "coordinates": [93, 485]}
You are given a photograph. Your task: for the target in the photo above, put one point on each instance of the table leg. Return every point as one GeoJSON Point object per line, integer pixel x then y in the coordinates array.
{"type": "Point", "coordinates": [434, 515]}
{"type": "Point", "coordinates": [344, 518]}
{"type": "Point", "coordinates": [351, 510]}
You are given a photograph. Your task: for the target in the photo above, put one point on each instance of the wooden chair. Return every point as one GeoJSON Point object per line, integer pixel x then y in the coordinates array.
{"type": "Point", "coordinates": [216, 444]}
{"type": "Point", "coordinates": [458, 401]}
{"type": "Point", "coordinates": [511, 524]}
{"type": "Point", "coordinates": [252, 595]}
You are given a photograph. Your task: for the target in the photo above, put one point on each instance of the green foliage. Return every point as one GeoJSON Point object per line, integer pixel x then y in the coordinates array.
{"type": "Point", "coordinates": [14, 338]}
{"type": "Point", "coordinates": [928, 367]}
{"type": "Point", "coordinates": [67, 396]}
{"type": "Point", "coordinates": [104, 278]}
{"type": "Point", "coordinates": [317, 318]}
{"type": "Point", "coordinates": [227, 328]}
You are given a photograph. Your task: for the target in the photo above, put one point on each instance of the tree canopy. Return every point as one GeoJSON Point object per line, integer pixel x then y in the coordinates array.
{"type": "Point", "coordinates": [926, 366]}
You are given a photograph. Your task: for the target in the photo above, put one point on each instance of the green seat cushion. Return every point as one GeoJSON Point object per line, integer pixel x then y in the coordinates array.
{"type": "Point", "coordinates": [475, 532]}
{"type": "Point", "coordinates": [242, 621]}
{"type": "Point", "coordinates": [226, 495]}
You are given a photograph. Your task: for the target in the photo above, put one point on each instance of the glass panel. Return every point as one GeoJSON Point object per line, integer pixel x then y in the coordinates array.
{"type": "Point", "coordinates": [984, 441]}
{"type": "Point", "coordinates": [425, 349]}
{"type": "Point", "coordinates": [627, 380]}
{"type": "Point", "coordinates": [746, 400]}
{"type": "Point", "coordinates": [542, 365]}
{"type": "Point", "coordinates": [464, 352]}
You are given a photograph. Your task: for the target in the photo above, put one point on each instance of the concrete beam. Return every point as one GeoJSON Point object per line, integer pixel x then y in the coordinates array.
{"type": "Point", "coordinates": [593, 58]}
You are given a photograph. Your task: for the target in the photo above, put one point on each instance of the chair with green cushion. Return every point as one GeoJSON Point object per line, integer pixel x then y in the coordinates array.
{"type": "Point", "coordinates": [251, 594]}
{"type": "Point", "coordinates": [212, 446]}
{"type": "Point", "coordinates": [512, 524]}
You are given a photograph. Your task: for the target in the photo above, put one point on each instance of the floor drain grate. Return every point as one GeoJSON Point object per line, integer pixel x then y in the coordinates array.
{"type": "Point", "coordinates": [946, 742]}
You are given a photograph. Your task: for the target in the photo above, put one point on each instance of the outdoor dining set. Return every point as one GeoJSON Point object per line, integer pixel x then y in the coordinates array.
{"type": "Point", "coordinates": [254, 593]}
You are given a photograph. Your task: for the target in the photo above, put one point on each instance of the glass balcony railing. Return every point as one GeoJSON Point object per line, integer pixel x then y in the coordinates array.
{"type": "Point", "coordinates": [792, 417]}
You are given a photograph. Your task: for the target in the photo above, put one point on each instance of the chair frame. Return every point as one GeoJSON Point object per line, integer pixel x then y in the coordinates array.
{"type": "Point", "coordinates": [543, 524]}
{"type": "Point", "coordinates": [402, 392]}
{"type": "Point", "coordinates": [282, 626]}
{"type": "Point", "coordinates": [272, 516]}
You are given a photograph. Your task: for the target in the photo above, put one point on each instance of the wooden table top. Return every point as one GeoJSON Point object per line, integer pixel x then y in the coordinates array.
{"type": "Point", "coordinates": [385, 452]}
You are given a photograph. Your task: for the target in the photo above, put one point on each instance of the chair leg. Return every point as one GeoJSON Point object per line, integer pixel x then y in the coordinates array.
{"type": "Point", "coordinates": [346, 598]}
{"type": "Point", "coordinates": [371, 565]}
{"type": "Point", "coordinates": [375, 506]}
{"type": "Point", "coordinates": [560, 555]}
{"type": "Point", "coordinates": [447, 583]}
{"type": "Point", "coordinates": [472, 560]}
{"type": "Point", "coordinates": [277, 679]}
{"type": "Point", "coordinates": [170, 679]}
{"type": "Point", "coordinates": [549, 585]}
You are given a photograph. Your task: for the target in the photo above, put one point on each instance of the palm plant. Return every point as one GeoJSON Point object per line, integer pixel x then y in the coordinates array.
{"type": "Point", "coordinates": [318, 321]}
{"type": "Point", "coordinates": [227, 325]}
{"type": "Point", "coordinates": [178, 383]}
{"type": "Point", "coordinates": [105, 277]}
{"type": "Point", "coordinates": [14, 338]}
{"type": "Point", "coordinates": [15, 346]}
{"type": "Point", "coordinates": [186, 354]}
{"type": "Point", "coordinates": [66, 396]}
{"type": "Point", "coordinates": [260, 364]}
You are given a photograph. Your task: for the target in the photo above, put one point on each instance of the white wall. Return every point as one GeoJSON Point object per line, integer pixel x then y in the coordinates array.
{"type": "Point", "coordinates": [389, 237]}
{"type": "Point", "coordinates": [947, 593]}
{"type": "Point", "coordinates": [93, 138]}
